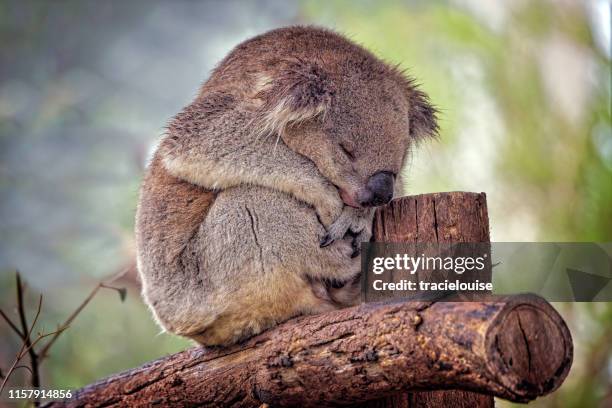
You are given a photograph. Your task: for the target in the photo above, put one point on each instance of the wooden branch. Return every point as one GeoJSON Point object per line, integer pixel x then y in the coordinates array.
{"type": "Point", "coordinates": [516, 348]}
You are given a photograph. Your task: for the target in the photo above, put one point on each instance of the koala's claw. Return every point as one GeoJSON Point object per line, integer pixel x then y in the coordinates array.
{"type": "Point", "coordinates": [353, 222]}
{"type": "Point", "coordinates": [327, 240]}
{"type": "Point", "coordinates": [356, 249]}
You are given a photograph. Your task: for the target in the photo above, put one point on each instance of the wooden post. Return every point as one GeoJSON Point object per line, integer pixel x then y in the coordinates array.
{"type": "Point", "coordinates": [434, 218]}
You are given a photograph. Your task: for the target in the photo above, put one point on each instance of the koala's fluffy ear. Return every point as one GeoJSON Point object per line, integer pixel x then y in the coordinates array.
{"type": "Point", "coordinates": [298, 91]}
{"type": "Point", "coordinates": [423, 115]}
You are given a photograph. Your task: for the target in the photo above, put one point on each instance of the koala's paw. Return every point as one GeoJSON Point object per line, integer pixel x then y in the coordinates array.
{"type": "Point", "coordinates": [329, 210]}
{"type": "Point", "coordinates": [355, 222]}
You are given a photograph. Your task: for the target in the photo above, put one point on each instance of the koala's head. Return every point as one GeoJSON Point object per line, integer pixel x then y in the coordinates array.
{"type": "Point", "coordinates": [332, 101]}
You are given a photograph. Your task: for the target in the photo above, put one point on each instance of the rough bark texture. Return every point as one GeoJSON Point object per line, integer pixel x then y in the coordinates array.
{"type": "Point", "coordinates": [516, 348]}
{"type": "Point", "coordinates": [439, 217]}
{"type": "Point", "coordinates": [435, 218]}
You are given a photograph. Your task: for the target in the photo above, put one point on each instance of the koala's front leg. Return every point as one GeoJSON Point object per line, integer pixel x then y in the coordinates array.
{"type": "Point", "coordinates": [325, 200]}
{"type": "Point", "coordinates": [354, 221]}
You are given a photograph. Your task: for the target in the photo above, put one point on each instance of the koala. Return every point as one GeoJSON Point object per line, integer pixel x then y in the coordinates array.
{"type": "Point", "coordinates": [253, 205]}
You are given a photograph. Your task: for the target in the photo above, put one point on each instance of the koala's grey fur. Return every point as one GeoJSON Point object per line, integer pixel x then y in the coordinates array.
{"type": "Point", "coordinates": [253, 174]}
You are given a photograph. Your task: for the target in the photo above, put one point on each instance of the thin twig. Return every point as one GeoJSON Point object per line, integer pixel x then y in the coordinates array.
{"type": "Point", "coordinates": [25, 333]}
{"type": "Point", "coordinates": [22, 353]}
{"type": "Point", "coordinates": [11, 324]}
{"type": "Point", "coordinates": [44, 352]}
{"type": "Point", "coordinates": [24, 348]}
{"type": "Point", "coordinates": [116, 276]}
{"type": "Point", "coordinates": [27, 337]}
{"type": "Point", "coordinates": [23, 366]}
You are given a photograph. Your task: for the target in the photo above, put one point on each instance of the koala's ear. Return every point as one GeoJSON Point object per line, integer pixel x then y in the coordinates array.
{"type": "Point", "coordinates": [297, 91]}
{"type": "Point", "coordinates": [423, 115]}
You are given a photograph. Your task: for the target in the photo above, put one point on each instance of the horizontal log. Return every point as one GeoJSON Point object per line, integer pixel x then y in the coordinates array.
{"type": "Point", "coordinates": [516, 348]}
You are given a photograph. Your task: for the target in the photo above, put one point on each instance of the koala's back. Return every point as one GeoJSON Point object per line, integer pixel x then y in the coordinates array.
{"type": "Point", "coordinates": [264, 52]}
{"type": "Point", "coordinates": [170, 211]}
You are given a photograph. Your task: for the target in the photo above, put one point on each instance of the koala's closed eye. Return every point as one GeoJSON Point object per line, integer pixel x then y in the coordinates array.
{"type": "Point", "coordinates": [347, 151]}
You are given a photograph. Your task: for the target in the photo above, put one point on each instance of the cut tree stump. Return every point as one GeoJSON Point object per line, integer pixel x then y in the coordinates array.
{"type": "Point", "coordinates": [399, 353]}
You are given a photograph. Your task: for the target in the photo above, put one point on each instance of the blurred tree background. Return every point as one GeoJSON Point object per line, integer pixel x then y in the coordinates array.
{"type": "Point", "coordinates": [524, 90]}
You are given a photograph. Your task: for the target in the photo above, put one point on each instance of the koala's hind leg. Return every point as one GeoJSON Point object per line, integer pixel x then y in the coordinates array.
{"type": "Point", "coordinates": [253, 309]}
{"type": "Point", "coordinates": [260, 255]}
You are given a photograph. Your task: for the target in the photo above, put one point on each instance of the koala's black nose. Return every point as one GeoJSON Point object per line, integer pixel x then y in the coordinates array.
{"type": "Point", "coordinates": [380, 186]}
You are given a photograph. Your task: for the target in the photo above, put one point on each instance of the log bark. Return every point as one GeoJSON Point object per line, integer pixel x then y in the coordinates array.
{"type": "Point", "coordinates": [516, 348]}
{"type": "Point", "coordinates": [435, 218]}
